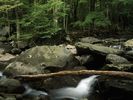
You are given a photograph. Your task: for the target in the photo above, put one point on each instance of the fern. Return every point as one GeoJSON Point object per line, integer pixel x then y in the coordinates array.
{"type": "Point", "coordinates": [98, 18]}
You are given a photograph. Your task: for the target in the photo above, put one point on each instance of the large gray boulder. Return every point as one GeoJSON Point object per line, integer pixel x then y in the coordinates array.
{"type": "Point", "coordinates": [37, 59]}
{"type": "Point", "coordinates": [115, 59]}
{"type": "Point", "coordinates": [56, 56]}
{"type": "Point", "coordinates": [17, 68]}
{"type": "Point", "coordinates": [103, 50]}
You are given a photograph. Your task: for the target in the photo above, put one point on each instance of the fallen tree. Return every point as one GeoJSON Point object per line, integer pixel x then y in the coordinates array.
{"type": "Point", "coordinates": [128, 75]}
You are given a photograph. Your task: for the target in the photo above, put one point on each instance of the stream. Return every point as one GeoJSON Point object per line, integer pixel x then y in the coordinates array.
{"type": "Point", "coordinates": [88, 54]}
{"type": "Point", "coordinates": [85, 89]}
{"type": "Point", "coordinates": [92, 87]}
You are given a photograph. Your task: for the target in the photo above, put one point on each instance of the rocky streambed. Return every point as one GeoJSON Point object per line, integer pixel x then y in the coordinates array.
{"type": "Point", "coordinates": [86, 54]}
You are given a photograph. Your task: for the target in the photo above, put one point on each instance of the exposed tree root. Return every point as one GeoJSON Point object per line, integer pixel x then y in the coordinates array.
{"type": "Point", "coordinates": [128, 75]}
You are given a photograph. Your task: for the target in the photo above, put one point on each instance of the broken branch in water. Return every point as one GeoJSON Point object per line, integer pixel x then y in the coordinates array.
{"type": "Point", "coordinates": [79, 72]}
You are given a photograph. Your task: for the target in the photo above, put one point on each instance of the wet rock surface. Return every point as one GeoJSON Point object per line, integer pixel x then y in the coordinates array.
{"type": "Point", "coordinates": [37, 59]}
{"type": "Point", "coordinates": [48, 56]}
{"type": "Point", "coordinates": [119, 67]}
{"type": "Point", "coordinates": [20, 68]}
{"type": "Point", "coordinates": [61, 82]}
{"type": "Point", "coordinates": [115, 59]}
{"type": "Point", "coordinates": [116, 88]}
{"type": "Point", "coordinates": [9, 85]}
{"type": "Point", "coordinates": [89, 53]}
{"type": "Point", "coordinates": [103, 50]}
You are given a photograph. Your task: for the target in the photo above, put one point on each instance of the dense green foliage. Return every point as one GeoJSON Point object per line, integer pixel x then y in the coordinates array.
{"type": "Point", "coordinates": [33, 17]}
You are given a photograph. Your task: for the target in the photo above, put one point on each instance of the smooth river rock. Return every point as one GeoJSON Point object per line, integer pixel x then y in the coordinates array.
{"type": "Point", "coordinates": [103, 50]}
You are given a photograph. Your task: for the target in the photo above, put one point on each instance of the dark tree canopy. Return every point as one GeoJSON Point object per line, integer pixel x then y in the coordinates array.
{"type": "Point", "coordinates": [26, 18]}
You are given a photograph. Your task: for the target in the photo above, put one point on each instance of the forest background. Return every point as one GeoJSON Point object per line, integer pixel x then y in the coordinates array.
{"type": "Point", "coordinates": [24, 19]}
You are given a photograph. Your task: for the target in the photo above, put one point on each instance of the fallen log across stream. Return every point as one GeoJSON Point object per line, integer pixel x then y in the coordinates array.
{"type": "Point", "coordinates": [128, 75]}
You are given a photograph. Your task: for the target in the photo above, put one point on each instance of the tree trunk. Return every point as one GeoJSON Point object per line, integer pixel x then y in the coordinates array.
{"type": "Point", "coordinates": [17, 26]}
{"type": "Point", "coordinates": [18, 29]}
{"type": "Point", "coordinates": [65, 20]}
{"type": "Point", "coordinates": [55, 18]}
{"type": "Point", "coordinates": [8, 23]}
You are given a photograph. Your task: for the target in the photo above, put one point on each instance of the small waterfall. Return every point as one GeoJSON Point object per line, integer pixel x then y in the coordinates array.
{"type": "Point", "coordinates": [84, 88]}
{"type": "Point", "coordinates": [33, 92]}
{"type": "Point", "coordinates": [82, 91]}
{"type": "Point", "coordinates": [1, 75]}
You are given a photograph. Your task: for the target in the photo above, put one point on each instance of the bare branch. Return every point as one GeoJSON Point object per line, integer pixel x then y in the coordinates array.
{"type": "Point", "coordinates": [79, 72]}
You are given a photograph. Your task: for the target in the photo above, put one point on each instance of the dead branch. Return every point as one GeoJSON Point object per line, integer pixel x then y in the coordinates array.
{"type": "Point", "coordinates": [5, 94]}
{"type": "Point", "coordinates": [79, 72]}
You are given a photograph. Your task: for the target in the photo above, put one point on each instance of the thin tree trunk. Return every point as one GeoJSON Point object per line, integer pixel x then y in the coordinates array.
{"type": "Point", "coordinates": [17, 26]}
{"type": "Point", "coordinates": [55, 18]}
{"type": "Point", "coordinates": [18, 29]}
{"type": "Point", "coordinates": [65, 19]}
{"type": "Point", "coordinates": [8, 22]}
{"type": "Point", "coordinates": [92, 8]}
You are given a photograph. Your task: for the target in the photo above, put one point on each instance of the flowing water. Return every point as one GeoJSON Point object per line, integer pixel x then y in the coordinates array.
{"type": "Point", "coordinates": [83, 90]}
{"type": "Point", "coordinates": [1, 74]}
